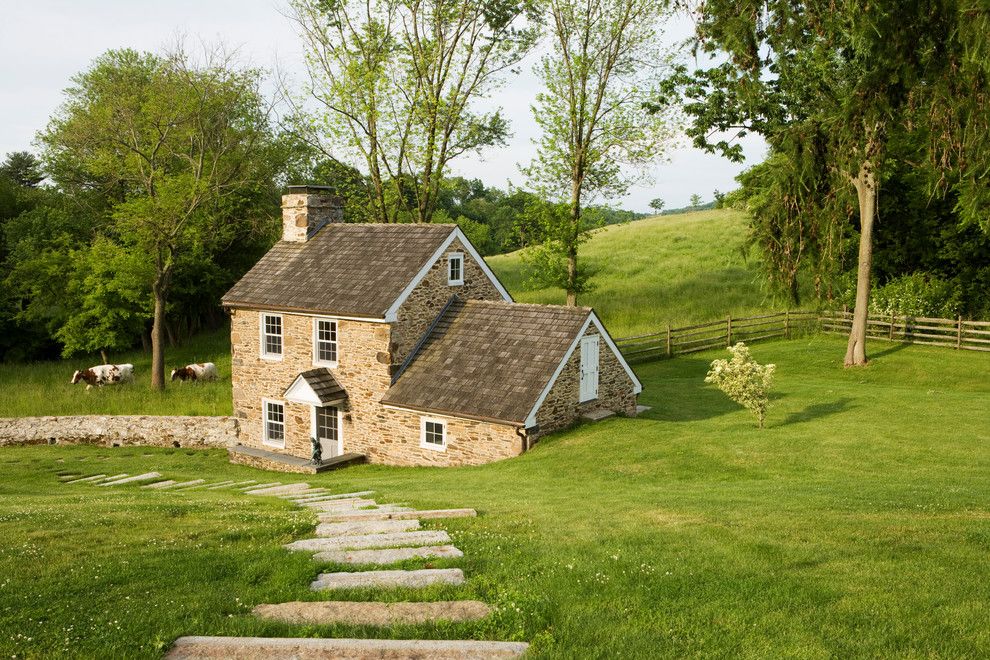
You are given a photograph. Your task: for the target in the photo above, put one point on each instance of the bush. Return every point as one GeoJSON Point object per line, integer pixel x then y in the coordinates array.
{"type": "Point", "coordinates": [744, 380]}
{"type": "Point", "coordinates": [918, 294]}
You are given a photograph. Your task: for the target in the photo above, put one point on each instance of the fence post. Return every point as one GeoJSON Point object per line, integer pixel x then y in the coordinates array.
{"type": "Point", "coordinates": [892, 318]}
{"type": "Point", "coordinates": [728, 331]}
{"type": "Point", "coordinates": [959, 332]}
{"type": "Point", "coordinates": [670, 346]}
{"type": "Point", "coordinates": [787, 323]}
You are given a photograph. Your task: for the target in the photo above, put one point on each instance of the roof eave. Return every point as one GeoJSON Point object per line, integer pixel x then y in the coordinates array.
{"type": "Point", "coordinates": [452, 413]}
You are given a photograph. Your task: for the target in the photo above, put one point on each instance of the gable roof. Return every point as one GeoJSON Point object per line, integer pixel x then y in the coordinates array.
{"type": "Point", "coordinates": [316, 387]}
{"type": "Point", "coordinates": [488, 360]}
{"type": "Point", "coordinates": [359, 270]}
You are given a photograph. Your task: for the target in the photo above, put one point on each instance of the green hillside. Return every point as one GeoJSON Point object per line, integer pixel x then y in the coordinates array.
{"type": "Point", "coordinates": [680, 269]}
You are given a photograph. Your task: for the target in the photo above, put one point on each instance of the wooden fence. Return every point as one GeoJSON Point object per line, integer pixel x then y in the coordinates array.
{"type": "Point", "coordinates": [717, 334]}
{"type": "Point", "coordinates": [953, 333]}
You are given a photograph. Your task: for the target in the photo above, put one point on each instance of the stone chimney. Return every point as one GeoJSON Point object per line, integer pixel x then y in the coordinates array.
{"type": "Point", "coordinates": [307, 209]}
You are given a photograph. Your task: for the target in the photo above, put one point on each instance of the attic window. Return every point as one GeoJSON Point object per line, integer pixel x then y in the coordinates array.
{"type": "Point", "coordinates": [455, 269]}
{"type": "Point", "coordinates": [271, 336]}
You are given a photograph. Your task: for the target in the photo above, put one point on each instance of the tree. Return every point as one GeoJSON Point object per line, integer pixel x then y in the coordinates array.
{"type": "Point", "coordinates": [183, 151]}
{"type": "Point", "coordinates": [396, 82]}
{"type": "Point", "coordinates": [695, 200]}
{"type": "Point", "coordinates": [657, 205]}
{"type": "Point", "coordinates": [604, 63]}
{"type": "Point", "coordinates": [23, 168]}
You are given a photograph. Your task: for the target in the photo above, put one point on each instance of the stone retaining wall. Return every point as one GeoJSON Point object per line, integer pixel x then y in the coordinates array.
{"type": "Point", "coordinates": [119, 430]}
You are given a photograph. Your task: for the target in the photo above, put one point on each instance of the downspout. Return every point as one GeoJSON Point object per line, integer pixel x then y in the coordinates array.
{"type": "Point", "coordinates": [523, 434]}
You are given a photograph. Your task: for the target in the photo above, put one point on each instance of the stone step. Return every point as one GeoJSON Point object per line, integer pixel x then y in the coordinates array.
{"type": "Point", "coordinates": [324, 613]}
{"type": "Point", "coordinates": [334, 505]}
{"type": "Point", "coordinates": [185, 484]}
{"type": "Point", "coordinates": [244, 484]}
{"type": "Point", "coordinates": [147, 476]}
{"type": "Point", "coordinates": [160, 484]}
{"type": "Point", "coordinates": [311, 492]}
{"type": "Point", "coordinates": [388, 555]}
{"type": "Point", "coordinates": [369, 527]}
{"type": "Point", "coordinates": [598, 414]}
{"type": "Point", "coordinates": [95, 477]}
{"type": "Point", "coordinates": [423, 577]}
{"type": "Point", "coordinates": [257, 486]}
{"type": "Point", "coordinates": [327, 497]}
{"type": "Point", "coordinates": [113, 478]}
{"type": "Point", "coordinates": [218, 486]}
{"type": "Point", "coordinates": [278, 490]}
{"type": "Point", "coordinates": [392, 540]}
{"type": "Point", "coordinates": [69, 476]}
{"type": "Point", "coordinates": [396, 515]}
{"type": "Point", "coordinates": [308, 648]}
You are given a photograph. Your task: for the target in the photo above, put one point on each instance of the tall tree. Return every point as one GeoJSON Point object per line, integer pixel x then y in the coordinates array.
{"type": "Point", "coordinates": [604, 63]}
{"type": "Point", "coordinates": [179, 146]}
{"type": "Point", "coordinates": [23, 168]}
{"type": "Point", "coordinates": [396, 83]}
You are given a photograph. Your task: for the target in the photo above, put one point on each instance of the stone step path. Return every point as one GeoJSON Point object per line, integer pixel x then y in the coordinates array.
{"type": "Point", "coordinates": [257, 486]}
{"type": "Point", "coordinates": [160, 484]}
{"type": "Point", "coordinates": [95, 477]}
{"type": "Point", "coordinates": [147, 476]}
{"type": "Point", "coordinates": [309, 492]}
{"type": "Point", "coordinates": [408, 514]}
{"type": "Point", "coordinates": [359, 542]}
{"type": "Point", "coordinates": [185, 484]}
{"type": "Point", "coordinates": [370, 527]}
{"type": "Point", "coordinates": [424, 577]}
{"type": "Point", "coordinates": [387, 556]}
{"type": "Point", "coordinates": [329, 496]}
{"type": "Point", "coordinates": [278, 490]}
{"type": "Point", "coordinates": [222, 484]}
{"type": "Point", "coordinates": [328, 612]}
{"type": "Point", "coordinates": [307, 648]}
{"type": "Point", "coordinates": [339, 505]}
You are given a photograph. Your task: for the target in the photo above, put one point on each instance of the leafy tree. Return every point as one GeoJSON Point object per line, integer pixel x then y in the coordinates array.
{"type": "Point", "coordinates": [695, 200]}
{"type": "Point", "coordinates": [657, 205]}
{"type": "Point", "coordinates": [183, 150]}
{"type": "Point", "coordinates": [604, 63]}
{"type": "Point", "coordinates": [23, 168]}
{"type": "Point", "coordinates": [744, 380]}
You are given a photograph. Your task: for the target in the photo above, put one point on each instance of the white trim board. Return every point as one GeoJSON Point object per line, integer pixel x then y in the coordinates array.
{"type": "Point", "coordinates": [592, 319]}
{"type": "Point", "coordinates": [391, 314]}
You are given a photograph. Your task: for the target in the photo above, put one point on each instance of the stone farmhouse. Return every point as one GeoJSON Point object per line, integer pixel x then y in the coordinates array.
{"type": "Point", "coordinates": [397, 344]}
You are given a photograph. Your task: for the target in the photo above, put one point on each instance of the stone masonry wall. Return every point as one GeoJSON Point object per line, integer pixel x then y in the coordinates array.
{"type": "Point", "coordinates": [615, 390]}
{"type": "Point", "coordinates": [431, 294]}
{"type": "Point", "coordinates": [119, 430]}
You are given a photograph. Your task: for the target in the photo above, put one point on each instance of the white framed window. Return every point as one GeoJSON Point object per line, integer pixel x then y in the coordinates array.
{"type": "Point", "coordinates": [273, 427]}
{"type": "Point", "coordinates": [271, 336]}
{"type": "Point", "coordinates": [325, 342]}
{"type": "Point", "coordinates": [455, 268]}
{"type": "Point", "coordinates": [432, 434]}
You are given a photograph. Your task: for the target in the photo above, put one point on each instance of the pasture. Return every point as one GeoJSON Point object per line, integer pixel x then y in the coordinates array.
{"type": "Point", "coordinates": [856, 525]}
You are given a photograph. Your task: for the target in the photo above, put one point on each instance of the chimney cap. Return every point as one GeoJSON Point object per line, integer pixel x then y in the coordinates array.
{"type": "Point", "coordinates": [310, 190]}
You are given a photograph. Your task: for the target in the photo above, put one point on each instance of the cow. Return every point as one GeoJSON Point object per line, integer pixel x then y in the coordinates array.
{"type": "Point", "coordinates": [104, 374]}
{"type": "Point", "coordinates": [199, 371]}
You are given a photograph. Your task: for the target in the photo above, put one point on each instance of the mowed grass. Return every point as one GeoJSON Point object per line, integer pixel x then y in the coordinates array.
{"type": "Point", "coordinates": [678, 269]}
{"type": "Point", "coordinates": [856, 525]}
{"type": "Point", "coordinates": [44, 388]}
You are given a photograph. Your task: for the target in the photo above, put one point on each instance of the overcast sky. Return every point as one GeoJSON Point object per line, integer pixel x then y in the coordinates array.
{"type": "Point", "coordinates": [44, 42]}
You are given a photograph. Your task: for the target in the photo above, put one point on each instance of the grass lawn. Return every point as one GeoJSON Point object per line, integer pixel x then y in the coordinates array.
{"type": "Point", "coordinates": [679, 269]}
{"type": "Point", "coordinates": [856, 525]}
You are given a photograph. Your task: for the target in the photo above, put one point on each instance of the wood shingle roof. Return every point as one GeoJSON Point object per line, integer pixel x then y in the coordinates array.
{"type": "Point", "coordinates": [488, 360]}
{"type": "Point", "coordinates": [345, 269]}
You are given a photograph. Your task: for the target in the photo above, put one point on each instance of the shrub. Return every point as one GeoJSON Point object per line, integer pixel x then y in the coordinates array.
{"type": "Point", "coordinates": [744, 380]}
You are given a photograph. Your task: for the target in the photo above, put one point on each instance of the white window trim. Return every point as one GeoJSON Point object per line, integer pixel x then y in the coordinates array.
{"type": "Point", "coordinates": [262, 353]}
{"type": "Point", "coordinates": [264, 423]}
{"type": "Point", "coordinates": [422, 433]}
{"type": "Point", "coordinates": [451, 256]}
{"type": "Point", "coordinates": [317, 362]}
{"type": "Point", "coordinates": [340, 426]}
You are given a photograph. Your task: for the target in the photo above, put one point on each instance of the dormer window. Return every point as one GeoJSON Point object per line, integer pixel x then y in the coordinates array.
{"type": "Point", "coordinates": [455, 269]}
{"type": "Point", "coordinates": [271, 336]}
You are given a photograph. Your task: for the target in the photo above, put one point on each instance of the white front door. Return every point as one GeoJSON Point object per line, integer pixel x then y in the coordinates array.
{"type": "Point", "coordinates": [589, 368]}
{"type": "Point", "coordinates": [326, 429]}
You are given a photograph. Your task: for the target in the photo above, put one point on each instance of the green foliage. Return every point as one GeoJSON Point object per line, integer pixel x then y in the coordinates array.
{"type": "Point", "coordinates": [23, 168]}
{"type": "Point", "coordinates": [916, 294]}
{"type": "Point", "coordinates": [744, 380]}
{"type": "Point", "coordinates": [547, 260]}
{"type": "Point", "coordinates": [695, 200]}
{"type": "Point", "coordinates": [657, 204]}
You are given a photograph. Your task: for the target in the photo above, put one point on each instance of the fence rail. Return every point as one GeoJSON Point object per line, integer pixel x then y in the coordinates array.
{"type": "Point", "coordinates": [952, 333]}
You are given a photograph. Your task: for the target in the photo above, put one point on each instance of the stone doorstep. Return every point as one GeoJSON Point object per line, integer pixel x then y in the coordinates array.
{"type": "Point", "coordinates": [307, 648]}
{"type": "Point", "coordinates": [278, 490]}
{"type": "Point", "coordinates": [330, 497]}
{"type": "Point", "coordinates": [95, 477]}
{"type": "Point", "coordinates": [322, 613]}
{"type": "Point", "coordinates": [388, 555]}
{"type": "Point", "coordinates": [359, 542]}
{"type": "Point", "coordinates": [185, 484]}
{"type": "Point", "coordinates": [160, 484]}
{"type": "Point", "coordinates": [357, 516]}
{"type": "Point", "coordinates": [147, 476]}
{"type": "Point", "coordinates": [423, 577]}
{"type": "Point", "coordinates": [368, 527]}
{"type": "Point", "coordinates": [598, 414]}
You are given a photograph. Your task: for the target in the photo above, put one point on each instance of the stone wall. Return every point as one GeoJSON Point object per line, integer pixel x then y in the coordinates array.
{"type": "Point", "coordinates": [615, 390]}
{"type": "Point", "coordinates": [119, 430]}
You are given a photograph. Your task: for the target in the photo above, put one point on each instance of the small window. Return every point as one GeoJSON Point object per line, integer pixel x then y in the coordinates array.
{"type": "Point", "coordinates": [325, 342]}
{"type": "Point", "coordinates": [433, 434]}
{"type": "Point", "coordinates": [271, 336]}
{"type": "Point", "coordinates": [274, 431]}
{"type": "Point", "coordinates": [326, 424]}
{"type": "Point", "coordinates": [455, 268]}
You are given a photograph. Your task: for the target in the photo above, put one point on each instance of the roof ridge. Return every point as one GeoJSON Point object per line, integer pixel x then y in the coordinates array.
{"type": "Point", "coordinates": [581, 308]}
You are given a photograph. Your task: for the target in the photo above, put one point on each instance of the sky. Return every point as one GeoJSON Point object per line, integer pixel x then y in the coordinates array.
{"type": "Point", "coordinates": [43, 43]}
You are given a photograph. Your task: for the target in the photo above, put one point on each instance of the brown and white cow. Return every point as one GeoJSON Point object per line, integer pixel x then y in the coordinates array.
{"type": "Point", "coordinates": [104, 374]}
{"type": "Point", "coordinates": [198, 371]}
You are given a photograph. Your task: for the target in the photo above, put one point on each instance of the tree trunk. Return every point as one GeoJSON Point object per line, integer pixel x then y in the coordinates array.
{"type": "Point", "coordinates": [572, 243]}
{"type": "Point", "coordinates": [103, 356]}
{"type": "Point", "coordinates": [866, 191]}
{"type": "Point", "coordinates": [158, 341]}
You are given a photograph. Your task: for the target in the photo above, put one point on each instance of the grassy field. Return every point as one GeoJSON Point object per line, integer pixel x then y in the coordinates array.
{"type": "Point", "coordinates": [679, 269]}
{"type": "Point", "coordinates": [856, 525]}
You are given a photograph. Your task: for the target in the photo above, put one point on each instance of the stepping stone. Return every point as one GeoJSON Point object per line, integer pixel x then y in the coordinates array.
{"type": "Point", "coordinates": [388, 555]}
{"type": "Point", "coordinates": [397, 515]}
{"type": "Point", "coordinates": [95, 477]}
{"type": "Point", "coordinates": [257, 485]}
{"type": "Point", "coordinates": [395, 539]}
{"type": "Point", "coordinates": [423, 577]}
{"type": "Point", "coordinates": [278, 490]}
{"type": "Point", "coordinates": [222, 484]}
{"type": "Point", "coordinates": [324, 613]}
{"type": "Point", "coordinates": [147, 476]}
{"type": "Point", "coordinates": [642, 409]}
{"type": "Point", "coordinates": [66, 477]}
{"type": "Point", "coordinates": [309, 492]}
{"type": "Point", "coordinates": [113, 478]}
{"type": "Point", "coordinates": [339, 505]}
{"type": "Point", "coordinates": [338, 496]}
{"type": "Point", "coordinates": [160, 484]}
{"type": "Point", "coordinates": [185, 484]}
{"type": "Point", "coordinates": [370, 527]}
{"type": "Point", "coordinates": [240, 484]}
{"type": "Point", "coordinates": [308, 648]}
{"type": "Point", "coordinates": [598, 414]}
